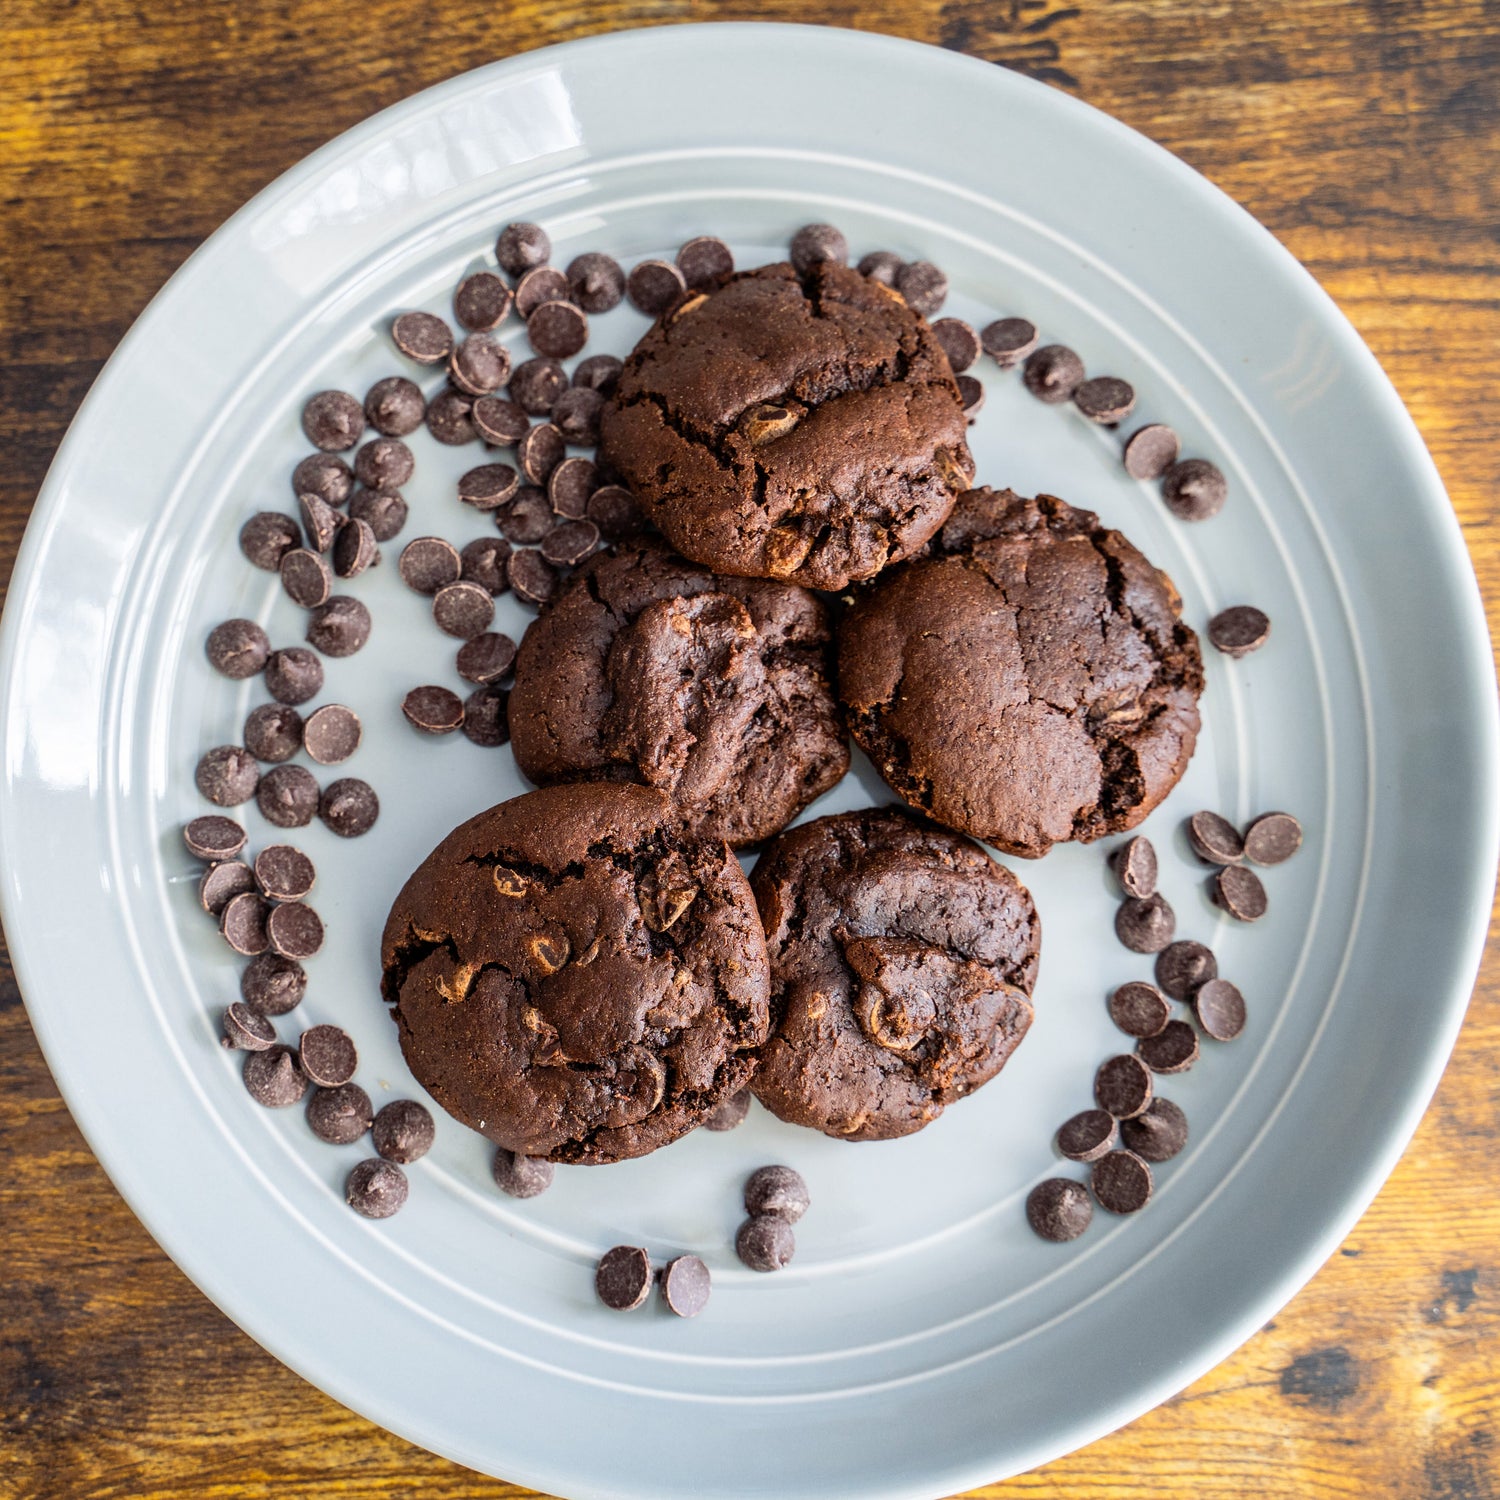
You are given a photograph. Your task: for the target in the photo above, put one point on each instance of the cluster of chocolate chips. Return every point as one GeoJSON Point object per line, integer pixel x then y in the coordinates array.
{"type": "Point", "coordinates": [1270, 840]}
{"type": "Point", "coordinates": [259, 903]}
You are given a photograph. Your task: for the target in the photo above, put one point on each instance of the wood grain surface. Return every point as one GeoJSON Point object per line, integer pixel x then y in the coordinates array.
{"type": "Point", "coordinates": [1365, 133]}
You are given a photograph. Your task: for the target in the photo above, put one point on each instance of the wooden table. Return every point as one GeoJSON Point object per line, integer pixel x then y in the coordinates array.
{"type": "Point", "coordinates": [1365, 133]}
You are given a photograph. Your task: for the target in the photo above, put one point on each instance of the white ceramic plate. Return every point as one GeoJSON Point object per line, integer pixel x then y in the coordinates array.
{"type": "Point", "coordinates": [923, 1340]}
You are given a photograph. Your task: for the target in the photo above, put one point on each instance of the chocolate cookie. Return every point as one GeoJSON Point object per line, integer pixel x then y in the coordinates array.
{"type": "Point", "coordinates": [713, 690]}
{"type": "Point", "coordinates": [805, 427]}
{"type": "Point", "coordinates": [574, 977]}
{"type": "Point", "coordinates": [1029, 680]}
{"type": "Point", "coordinates": [902, 961]}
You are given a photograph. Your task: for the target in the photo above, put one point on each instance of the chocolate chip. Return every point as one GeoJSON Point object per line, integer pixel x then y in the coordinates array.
{"type": "Point", "coordinates": [575, 414]}
{"type": "Point", "coordinates": [1174, 1049]}
{"type": "Point", "coordinates": [273, 1077]}
{"type": "Point", "coordinates": [1134, 864]}
{"type": "Point", "coordinates": [1194, 489]}
{"type": "Point", "coordinates": [704, 261]}
{"type": "Point", "coordinates": [1215, 840]}
{"type": "Point", "coordinates": [614, 511]}
{"type": "Point", "coordinates": [1008, 341]}
{"type": "Point", "coordinates": [340, 628]}
{"type": "Point", "coordinates": [485, 721]}
{"type": "Point", "coordinates": [776, 1190]}
{"type": "Point", "coordinates": [489, 486]}
{"type": "Point", "coordinates": [384, 463]}
{"type": "Point", "coordinates": [730, 1113]}
{"type": "Point", "coordinates": [332, 734]}
{"type": "Point", "coordinates": [1052, 373]}
{"type": "Point", "coordinates": [287, 796]}
{"type": "Point", "coordinates": [376, 1189]}
{"type": "Point", "coordinates": [570, 543]}
{"type": "Point", "coordinates": [1272, 838]}
{"type": "Point", "coordinates": [221, 883]}
{"type": "Point", "coordinates": [325, 475]}
{"type": "Point", "coordinates": [333, 421]}
{"type": "Point", "coordinates": [958, 341]}
{"type": "Point", "coordinates": [404, 1131]}
{"type": "Point", "coordinates": [765, 1242]}
{"type": "Point", "coordinates": [1159, 1134]}
{"type": "Point", "coordinates": [1122, 1182]}
{"type": "Point", "coordinates": [522, 246]}
{"type": "Point", "coordinates": [498, 421]}
{"type": "Point", "coordinates": [339, 1116]}
{"type": "Point", "coordinates": [599, 372]}
{"type": "Point", "coordinates": [429, 564]}
{"type": "Point", "coordinates": [238, 648]}
{"type": "Point", "coordinates": [537, 384]}
{"type": "Point", "coordinates": [596, 281]}
{"type": "Point", "coordinates": [532, 577]}
{"type": "Point", "coordinates": [326, 1053]}
{"type": "Point", "coordinates": [1220, 1009]}
{"type": "Point", "coordinates": [463, 610]}
{"type": "Point", "coordinates": [273, 985]}
{"type": "Point", "coordinates": [1150, 451]}
{"type": "Point", "coordinates": [450, 418]}
{"type": "Point", "coordinates": [540, 452]}
{"type": "Point", "coordinates": [486, 658]}
{"type": "Point", "coordinates": [383, 511]}
{"type": "Point", "coordinates": [433, 710]}
{"type": "Point", "coordinates": [355, 550]}
{"type": "Point", "coordinates": [481, 301]}
{"type": "Point", "coordinates": [817, 242]}
{"type": "Point", "coordinates": [422, 336]}
{"type": "Point", "coordinates": [212, 837]}
{"type": "Point", "coordinates": [320, 524]}
{"type": "Point", "coordinates": [243, 923]}
{"type": "Point", "coordinates": [528, 518]}
{"type": "Point", "coordinates": [1122, 1086]}
{"type": "Point", "coordinates": [483, 562]}
{"type": "Point", "coordinates": [971, 394]}
{"type": "Point", "coordinates": [1239, 630]}
{"type": "Point", "coordinates": [349, 807]}
{"type": "Point", "coordinates": [227, 775]}
{"type": "Point", "coordinates": [522, 1176]}
{"type": "Point", "coordinates": [557, 330]}
{"type": "Point", "coordinates": [395, 406]}
{"type": "Point", "coordinates": [307, 579]}
{"type": "Point", "coordinates": [267, 537]}
{"type": "Point", "coordinates": [1105, 399]}
{"type": "Point", "coordinates": [246, 1030]}
{"type": "Point", "coordinates": [1139, 1009]}
{"type": "Point", "coordinates": [478, 366]}
{"type": "Point", "coordinates": [654, 286]}
{"type": "Point", "coordinates": [295, 931]}
{"type": "Point", "coordinates": [569, 486]}
{"type": "Point", "coordinates": [1145, 926]}
{"type": "Point", "coordinates": [540, 285]}
{"type": "Point", "coordinates": [1059, 1209]}
{"type": "Point", "coordinates": [1240, 893]}
{"type": "Point", "coordinates": [1087, 1136]}
{"type": "Point", "coordinates": [923, 285]}
{"type": "Point", "coordinates": [293, 675]}
{"type": "Point", "coordinates": [685, 1286]}
{"type": "Point", "coordinates": [622, 1279]}
{"type": "Point", "coordinates": [284, 873]}
{"type": "Point", "coordinates": [1182, 967]}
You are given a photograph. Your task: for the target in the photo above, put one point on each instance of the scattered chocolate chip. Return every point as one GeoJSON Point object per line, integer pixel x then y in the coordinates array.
{"type": "Point", "coordinates": [246, 1030]}
{"type": "Point", "coordinates": [923, 285]}
{"type": "Point", "coordinates": [776, 1190]}
{"type": "Point", "coordinates": [433, 710]}
{"type": "Point", "coordinates": [599, 372]}
{"type": "Point", "coordinates": [971, 394]}
{"type": "Point", "coordinates": [1150, 451]}
{"type": "Point", "coordinates": [383, 511]}
{"type": "Point", "coordinates": [355, 550]}
{"type": "Point", "coordinates": [332, 734]}
{"type": "Point", "coordinates": [284, 873]}
{"type": "Point", "coordinates": [1194, 489]}
{"type": "Point", "coordinates": [243, 923]}
{"type": "Point", "coordinates": [958, 341]}
{"type": "Point", "coordinates": [486, 658]}
{"type": "Point", "coordinates": [293, 675]}
{"type": "Point", "coordinates": [267, 537]}
{"type": "Point", "coordinates": [340, 627]}
{"type": "Point", "coordinates": [450, 418]}
{"type": "Point", "coordinates": [522, 1176]}
{"type": "Point", "coordinates": [295, 931]}
{"type": "Point", "coordinates": [1087, 1136]}
{"type": "Point", "coordinates": [1239, 630]}
{"type": "Point", "coordinates": [481, 302]}
{"type": "Point", "coordinates": [596, 281]}
{"type": "Point", "coordinates": [532, 577]}
{"type": "Point", "coordinates": [1220, 1008]}
{"type": "Point", "coordinates": [1159, 1134]}
{"type": "Point", "coordinates": [463, 610]}
{"type": "Point", "coordinates": [227, 775]}
{"type": "Point", "coordinates": [569, 543]}
{"type": "Point", "coordinates": [1145, 926]}
{"type": "Point", "coordinates": [1240, 892]}
{"type": "Point", "coordinates": [730, 1113]}
{"type": "Point", "coordinates": [1134, 864]}
{"type": "Point", "coordinates": [765, 1242]}
{"type": "Point", "coordinates": [238, 648]}
{"type": "Point", "coordinates": [478, 366]}
{"type": "Point", "coordinates": [569, 486]}
{"type": "Point", "coordinates": [1183, 966]}
{"type": "Point", "coordinates": [395, 406]}
{"type": "Point", "coordinates": [575, 414]}
{"type": "Point", "coordinates": [704, 261]}
{"type": "Point", "coordinates": [339, 1116]}
{"type": "Point", "coordinates": [1052, 373]}
{"type": "Point", "coordinates": [349, 807]}
{"type": "Point", "coordinates": [221, 883]}
{"type": "Point", "coordinates": [422, 336]}
{"type": "Point", "coordinates": [488, 487]}
{"type": "Point", "coordinates": [333, 421]}
{"type": "Point", "coordinates": [273, 985]}
{"type": "Point", "coordinates": [528, 518]}
{"type": "Point", "coordinates": [403, 1131]}
{"type": "Point", "coordinates": [1139, 1009]}
{"type": "Point", "coordinates": [522, 246]}
{"type": "Point", "coordinates": [1008, 341]}
{"type": "Point", "coordinates": [614, 511]}
{"type": "Point", "coordinates": [685, 1286]}
{"type": "Point", "coordinates": [536, 385]}
{"type": "Point", "coordinates": [1215, 840]}
{"type": "Point", "coordinates": [540, 285]}
{"type": "Point", "coordinates": [1105, 399]}
{"type": "Point", "coordinates": [384, 463]}
{"type": "Point", "coordinates": [273, 1077]}
{"type": "Point", "coordinates": [1059, 1209]}
{"type": "Point", "coordinates": [1122, 1182]}
{"type": "Point", "coordinates": [429, 564]}
{"type": "Point", "coordinates": [498, 421]}
{"type": "Point", "coordinates": [326, 1054]}
{"type": "Point", "coordinates": [1272, 838]}
{"type": "Point", "coordinates": [1174, 1049]}
{"type": "Point", "coordinates": [540, 452]}
{"type": "Point", "coordinates": [320, 524]}
{"type": "Point", "coordinates": [654, 286]}
{"type": "Point", "coordinates": [325, 475]}
{"type": "Point", "coordinates": [1122, 1086]}
{"type": "Point", "coordinates": [622, 1278]}
{"type": "Point", "coordinates": [213, 838]}
{"type": "Point", "coordinates": [881, 266]}
{"type": "Point", "coordinates": [816, 242]}
{"type": "Point", "coordinates": [287, 797]}
{"type": "Point", "coordinates": [482, 561]}
{"type": "Point", "coordinates": [376, 1189]}
{"type": "Point", "coordinates": [307, 579]}
{"type": "Point", "coordinates": [485, 721]}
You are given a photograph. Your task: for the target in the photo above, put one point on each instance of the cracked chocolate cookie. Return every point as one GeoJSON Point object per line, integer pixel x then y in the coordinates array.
{"type": "Point", "coordinates": [574, 977]}
{"type": "Point", "coordinates": [902, 962]}
{"type": "Point", "coordinates": [1027, 681]}
{"type": "Point", "coordinates": [714, 691]}
{"type": "Point", "coordinates": [805, 427]}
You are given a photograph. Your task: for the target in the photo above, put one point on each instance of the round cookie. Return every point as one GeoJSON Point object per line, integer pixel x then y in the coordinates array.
{"type": "Point", "coordinates": [713, 690]}
{"type": "Point", "coordinates": [902, 962]}
{"type": "Point", "coordinates": [1029, 680]}
{"type": "Point", "coordinates": [800, 427]}
{"type": "Point", "coordinates": [575, 978]}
